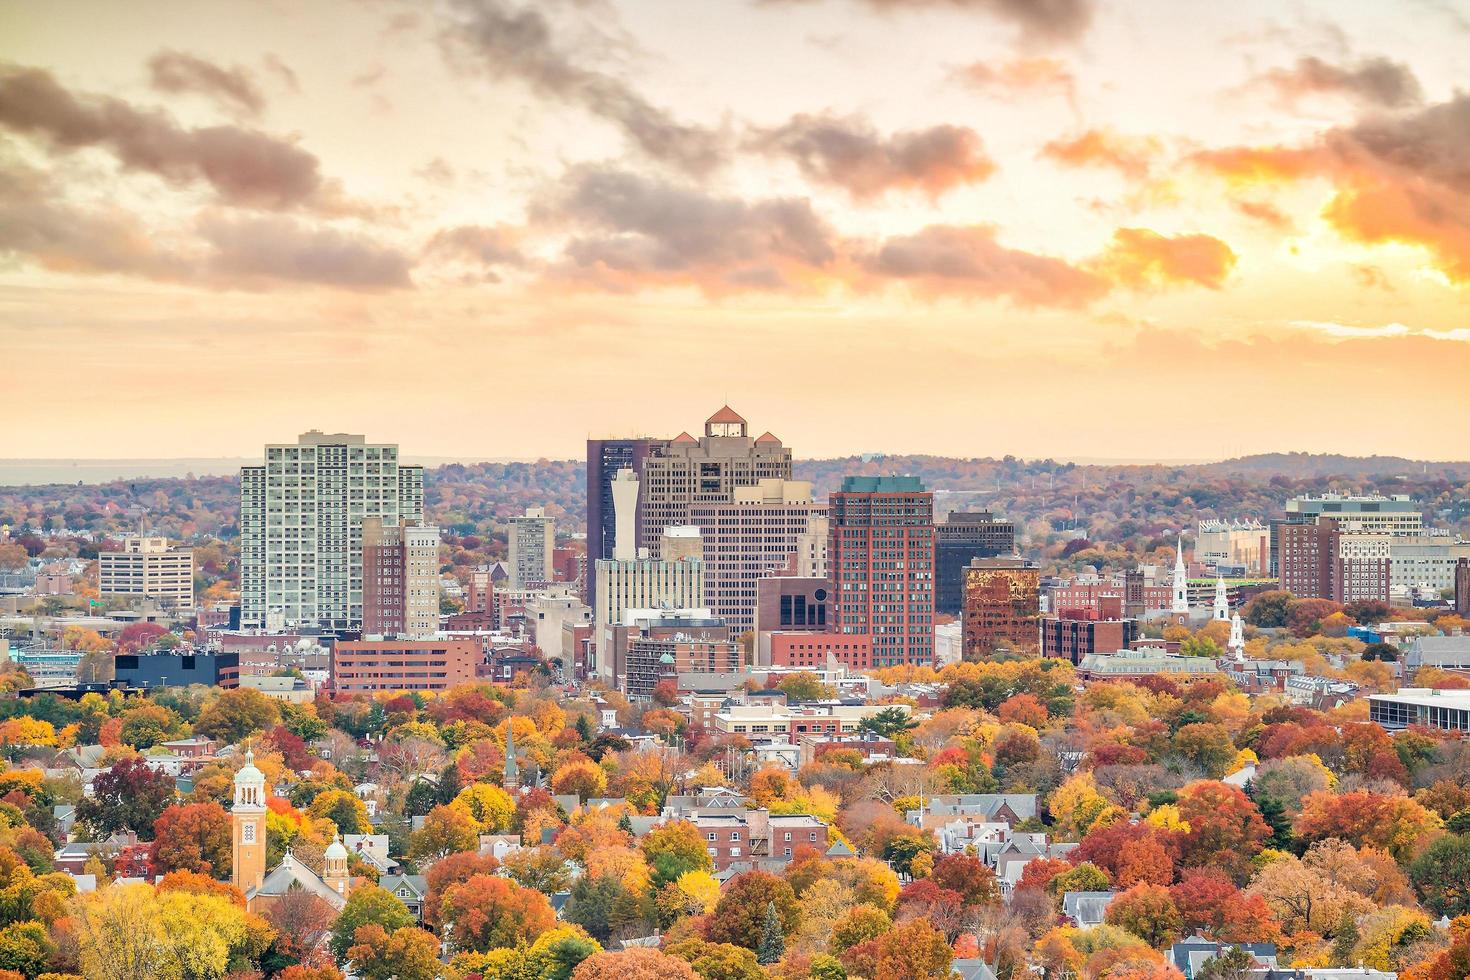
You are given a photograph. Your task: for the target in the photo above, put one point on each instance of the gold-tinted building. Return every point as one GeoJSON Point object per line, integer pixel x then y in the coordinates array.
{"type": "Point", "coordinates": [1002, 609]}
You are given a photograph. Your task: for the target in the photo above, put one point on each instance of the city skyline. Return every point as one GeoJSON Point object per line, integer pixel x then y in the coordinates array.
{"type": "Point", "coordinates": [1063, 221]}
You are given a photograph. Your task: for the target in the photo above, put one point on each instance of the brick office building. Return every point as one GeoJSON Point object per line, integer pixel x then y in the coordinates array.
{"type": "Point", "coordinates": [881, 559]}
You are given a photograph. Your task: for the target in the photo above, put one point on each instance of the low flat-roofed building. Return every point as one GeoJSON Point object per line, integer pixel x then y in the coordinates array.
{"type": "Point", "coordinates": [1447, 710]}
{"type": "Point", "coordinates": [1142, 663]}
{"type": "Point", "coordinates": [403, 665]}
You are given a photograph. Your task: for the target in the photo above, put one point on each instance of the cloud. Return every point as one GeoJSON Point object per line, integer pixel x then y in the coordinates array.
{"type": "Point", "coordinates": [244, 167]}
{"type": "Point", "coordinates": [1041, 76]}
{"type": "Point", "coordinates": [1039, 21]}
{"type": "Point", "coordinates": [849, 153]}
{"type": "Point", "coordinates": [261, 250]}
{"type": "Point", "coordinates": [233, 88]}
{"type": "Point", "coordinates": [628, 230]}
{"type": "Point", "coordinates": [967, 260]}
{"type": "Point", "coordinates": [1140, 259]}
{"type": "Point", "coordinates": [476, 243]}
{"type": "Point", "coordinates": [1267, 214]}
{"type": "Point", "coordinates": [518, 43]}
{"type": "Point", "coordinates": [1350, 331]}
{"type": "Point", "coordinates": [1129, 155]}
{"type": "Point", "coordinates": [1373, 81]}
{"type": "Point", "coordinates": [1398, 178]}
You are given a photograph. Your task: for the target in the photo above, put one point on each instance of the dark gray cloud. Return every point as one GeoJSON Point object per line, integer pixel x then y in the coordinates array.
{"type": "Point", "coordinates": [261, 250]}
{"type": "Point", "coordinates": [1039, 21]}
{"type": "Point", "coordinates": [234, 88]}
{"type": "Point", "coordinates": [1373, 81]}
{"type": "Point", "coordinates": [1432, 143]}
{"type": "Point", "coordinates": [510, 42]}
{"type": "Point", "coordinates": [244, 167]}
{"type": "Point", "coordinates": [627, 229]}
{"type": "Point", "coordinates": [849, 153]}
{"type": "Point", "coordinates": [967, 260]}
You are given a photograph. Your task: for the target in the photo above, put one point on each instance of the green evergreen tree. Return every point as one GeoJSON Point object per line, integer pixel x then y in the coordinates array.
{"type": "Point", "coordinates": [450, 783]}
{"type": "Point", "coordinates": [625, 824]}
{"type": "Point", "coordinates": [1274, 813]}
{"type": "Point", "coordinates": [773, 941]}
{"type": "Point", "coordinates": [584, 729]}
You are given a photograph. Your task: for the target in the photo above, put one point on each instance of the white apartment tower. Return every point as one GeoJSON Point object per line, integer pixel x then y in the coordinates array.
{"type": "Point", "coordinates": [532, 539]}
{"type": "Point", "coordinates": [301, 515]}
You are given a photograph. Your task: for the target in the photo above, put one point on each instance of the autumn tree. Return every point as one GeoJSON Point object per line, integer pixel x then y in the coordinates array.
{"type": "Point", "coordinates": [445, 830]}
{"type": "Point", "coordinates": [237, 713]}
{"type": "Point", "coordinates": [450, 870]}
{"type": "Point", "coordinates": [1148, 912]}
{"type": "Point", "coordinates": [129, 796]}
{"type": "Point", "coordinates": [302, 921]}
{"type": "Point", "coordinates": [367, 905]}
{"type": "Point", "coordinates": [344, 808]}
{"type": "Point", "coordinates": [1225, 827]}
{"type": "Point", "coordinates": [193, 837]}
{"type": "Point", "coordinates": [486, 912]}
{"type": "Point", "coordinates": [1442, 875]}
{"type": "Point", "coordinates": [1394, 823]}
{"type": "Point", "coordinates": [406, 953]}
{"type": "Point", "coordinates": [740, 915]}
{"type": "Point", "coordinates": [674, 849]}
{"type": "Point", "coordinates": [634, 964]}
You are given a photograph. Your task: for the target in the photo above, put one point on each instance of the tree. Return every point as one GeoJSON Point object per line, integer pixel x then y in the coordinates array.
{"type": "Point", "coordinates": [718, 961]}
{"type": "Point", "coordinates": [1207, 745]}
{"type": "Point", "coordinates": [302, 921]}
{"type": "Point", "coordinates": [1233, 964]}
{"type": "Point", "coordinates": [367, 905]}
{"type": "Point", "coordinates": [1268, 609]}
{"type": "Point", "coordinates": [634, 964]}
{"type": "Point", "coordinates": [451, 870]}
{"type": "Point", "coordinates": [913, 951]}
{"type": "Point", "coordinates": [491, 807]}
{"type": "Point", "coordinates": [1225, 828]}
{"type": "Point", "coordinates": [583, 777]}
{"type": "Point", "coordinates": [888, 723]}
{"type": "Point", "coordinates": [344, 808]}
{"type": "Point", "coordinates": [485, 913]}
{"type": "Point", "coordinates": [608, 909]}
{"type": "Point", "coordinates": [1442, 875]}
{"type": "Point", "coordinates": [129, 796]}
{"type": "Point", "coordinates": [863, 923]}
{"type": "Point", "coordinates": [1394, 823]}
{"type": "Point", "coordinates": [740, 915]}
{"type": "Point", "coordinates": [26, 948]}
{"type": "Point", "coordinates": [773, 940]}
{"type": "Point", "coordinates": [967, 876]}
{"type": "Point", "coordinates": [804, 687]}
{"type": "Point", "coordinates": [236, 714]}
{"type": "Point", "coordinates": [406, 953]}
{"type": "Point", "coordinates": [193, 837]}
{"type": "Point", "coordinates": [674, 849]}
{"type": "Point", "coordinates": [1148, 912]}
{"type": "Point", "coordinates": [445, 830]}
{"type": "Point", "coordinates": [1208, 901]}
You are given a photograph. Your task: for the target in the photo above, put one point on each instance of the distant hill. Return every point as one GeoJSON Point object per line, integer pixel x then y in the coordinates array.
{"type": "Point", "coordinates": [1319, 465]}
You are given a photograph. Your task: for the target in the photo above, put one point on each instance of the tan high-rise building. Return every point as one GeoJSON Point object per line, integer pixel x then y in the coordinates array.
{"type": "Point", "coordinates": [532, 539]}
{"type": "Point", "coordinates": [686, 472]}
{"type": "Point", "coordinates": [148, 567]}
{"type": "Point", "coordinates": [753, 536]}
{"type": "Point", "coordinates": [400, 582]}
{"type": "Point", "coordinates": [247, 821]}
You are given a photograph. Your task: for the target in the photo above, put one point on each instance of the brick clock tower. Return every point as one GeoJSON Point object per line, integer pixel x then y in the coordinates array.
{"type": "Point", "coordinates": [247, 819]}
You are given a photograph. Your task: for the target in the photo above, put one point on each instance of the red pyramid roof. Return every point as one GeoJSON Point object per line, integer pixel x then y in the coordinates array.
{"type": "Point", "coordinates": [685, 439]}
{"type": "Point", "coordinates": [725, 414]}
{"type": "Point", "coordinates": [767, 437]}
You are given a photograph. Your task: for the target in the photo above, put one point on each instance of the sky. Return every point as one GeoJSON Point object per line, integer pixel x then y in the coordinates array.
{"type": "Point", "coordinates": [1137, 229]}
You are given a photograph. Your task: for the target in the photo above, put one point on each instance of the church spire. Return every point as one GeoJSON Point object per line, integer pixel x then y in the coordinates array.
{"type": "Point", "coordinates": [1181, 583]}
{"type": "Point", "coordinates": [1222, 601]}
{"type": "Point", "coordinates": [512, 768]}
{"type": "Point", "coordinates": [1236, 646]}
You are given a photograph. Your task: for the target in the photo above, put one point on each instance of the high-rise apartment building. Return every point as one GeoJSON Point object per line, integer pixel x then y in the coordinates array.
{"type": "Point", "coordinates": [400, 582]}
{"type": "Point", "coordinates": [811, 547]}
{"type": "Point", "coordinates": [881, 560]}
{"type": "Point", "coordinates": [685, 472]}
{"type": "Point", "coordinates": [965, 535]}
{"type": "Point", "coordinates": [1002, 607]}
{"type": "Point", "coordinates": [149, 568]}
{"type": "Point", "coordinates": [753, 536]}
{"type": "Point", "coordinates": [301, 515]}
{"type": "Point", "coordinates": [605, 457]}
{"type": "Point", "coordinates": [532, 538]}
{"type": "Point", "coordinates": [1371, 514]}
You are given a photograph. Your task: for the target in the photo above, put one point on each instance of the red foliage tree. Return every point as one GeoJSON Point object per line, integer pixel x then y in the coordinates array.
{"type": "Point", "coordinates": [193, 837]}
{"type": "Point", "coordinates": [488, 913]}
{"type": "Point", "coordinates": [1226, 829]}
{"type": "Point", "coordinates": [453, 869]}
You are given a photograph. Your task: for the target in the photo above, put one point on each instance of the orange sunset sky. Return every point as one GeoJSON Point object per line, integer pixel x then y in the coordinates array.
{"type": "Point", "coordinates": [1076, 228]}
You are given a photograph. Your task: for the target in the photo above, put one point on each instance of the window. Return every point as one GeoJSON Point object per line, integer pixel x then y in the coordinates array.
{"type": "Point", "coordinates": [247, 834]}
{"type": "Point", "coordinates": [711, 835]}
{"type": "Point", "coordinates": [788, 852]}
{"type": "Point", "coordinates": [735, 835]}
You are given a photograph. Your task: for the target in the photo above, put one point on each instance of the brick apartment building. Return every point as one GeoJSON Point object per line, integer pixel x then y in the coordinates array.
{"type": "Point", "coordinates": [403, 665]}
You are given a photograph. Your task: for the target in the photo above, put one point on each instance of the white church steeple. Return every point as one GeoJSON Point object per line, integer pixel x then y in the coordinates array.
{"type": "Point", "coordinates": [1181, 583]}
{"type": "Point", "coordinates": [1222, 601]}
{"type": "Point", "coordinates": [1236, 646]}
